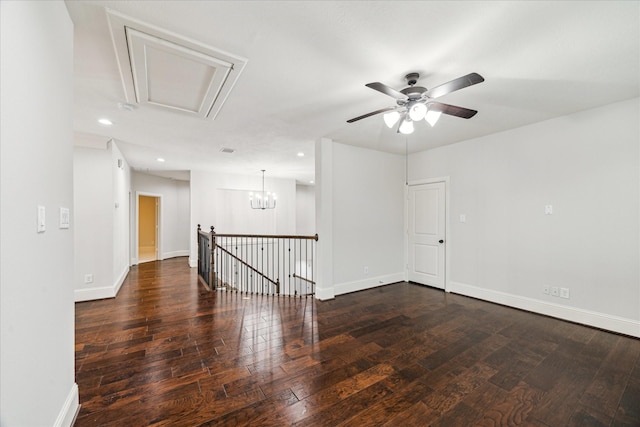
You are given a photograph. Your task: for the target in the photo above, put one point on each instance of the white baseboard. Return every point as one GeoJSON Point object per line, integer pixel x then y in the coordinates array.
{"type": "Point", "coordinates": [193, 262]}
{"type": "Point", "coordinates": [586, 317]}
{"type": "Point", "coordinates": [120, 280]}
{"type": "Point", "coordinates": [89, 294]}
{"type": "Point", "coordinates": [101, 292]}
{"type": "Point", "coordinates": [324, 294]}
{"type": "Point", "coordinates": [372, 282]}
{"type": "Point", "coordinates": [175, 254]}
{"type": "Point", "coordinates": [70, 409]}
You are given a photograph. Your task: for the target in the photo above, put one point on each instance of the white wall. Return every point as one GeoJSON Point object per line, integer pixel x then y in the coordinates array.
{"type": "Point", "coordinates": [363, 215]}
{"type": "Point", "coordinates": [305, 210]}
{"type": "Point", "coordinates": [586, 166]}
{"type": "Point", "coordinates": [93, 207]}
{"type": "Point", "coordinates": [222, 200]}
{"type": "Point", "coordinates": [37, 372]}
{"type": "Point", "coordinates": [101, 203]}
{"type": "Point", "coordinates": [174, 213]}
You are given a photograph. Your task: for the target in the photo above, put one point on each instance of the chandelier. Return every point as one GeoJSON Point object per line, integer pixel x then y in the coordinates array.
{"type": "Point", "coordinates": [263, 199]}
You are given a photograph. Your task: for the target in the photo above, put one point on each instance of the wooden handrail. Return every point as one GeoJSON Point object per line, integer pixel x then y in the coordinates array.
{"type": "Point", "coordinates": [268, 236]}
{"type": "Point", "coordinates": [304, 278]}
{"type": "Point", "coordinates": [276, 284]}
{"type": "Point", "coordinates": [254, 236]}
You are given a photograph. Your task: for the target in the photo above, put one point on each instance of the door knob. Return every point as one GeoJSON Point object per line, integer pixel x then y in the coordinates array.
{"type": "Point", "coordinates": [440, 241]}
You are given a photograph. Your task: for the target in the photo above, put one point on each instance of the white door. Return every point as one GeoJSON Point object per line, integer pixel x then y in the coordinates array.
{"type": "Point", "coordinates": [427, 227]}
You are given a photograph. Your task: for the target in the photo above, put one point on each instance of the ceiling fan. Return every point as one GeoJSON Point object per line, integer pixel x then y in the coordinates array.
{"type": "Point", "coordinates": [416, 102]}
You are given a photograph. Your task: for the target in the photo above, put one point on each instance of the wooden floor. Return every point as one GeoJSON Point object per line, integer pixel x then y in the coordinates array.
{"type": "Point", "coordinates": [166, 352]}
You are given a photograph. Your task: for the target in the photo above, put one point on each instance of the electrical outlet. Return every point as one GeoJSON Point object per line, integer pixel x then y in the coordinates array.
{"type": "Point", "coordinates": [545, 289]}
{"type": "Point", "coordinates": [88, 278]}
{"type": "Point", "coordinates": [366, 270]}
{"type": "Point", "coordinates": [554, 291]}
{"type": "Point", "coordinates": [564, 293]}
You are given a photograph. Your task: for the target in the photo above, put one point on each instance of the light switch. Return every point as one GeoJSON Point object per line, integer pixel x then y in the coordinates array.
{"type": "Point", "coordinates": [548, 210]}
{"type": "Point", "coordinates": [463, 218]}
{"type": "Point", "coordinates": [41, 219]}
{"type": "Point", "coordinates": [64, 217]}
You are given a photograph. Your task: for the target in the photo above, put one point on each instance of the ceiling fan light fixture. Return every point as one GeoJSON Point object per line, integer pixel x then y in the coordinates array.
{"type": "Point", "coordinates": [414, 103]}
{"type": "Point", "coordinates": [406, 127]}
{"type": "Point", "coordinates": [390, 119]}
{"type": "Point", "coordinates": [432, 117]}
{"type": "Point", "coordinates": [417, 111]}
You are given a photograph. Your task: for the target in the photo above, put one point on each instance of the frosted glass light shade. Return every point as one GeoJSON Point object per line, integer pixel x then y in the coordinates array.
{"type": "Point", "coordinates": [406, 127]}
{"type": "Point", "coordinates": [417, 111]}
{"type": "Point", "coordinates": [432, 117]}
{"type": "Point", "coordinates": [391, 118]}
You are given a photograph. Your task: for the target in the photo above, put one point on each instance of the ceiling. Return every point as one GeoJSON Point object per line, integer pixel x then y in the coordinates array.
{"type": "Point", "coordinates": [307, 64]}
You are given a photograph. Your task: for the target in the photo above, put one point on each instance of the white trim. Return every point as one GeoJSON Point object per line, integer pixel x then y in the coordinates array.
{"type": "Point", "coordinates": [429, 180]}
{"type": "Point", "coordinates": [369, 283]}
{"type": "Point", "coordinates": [324, 294]}
{"type": "Point", "coordinates": [158, 225]}
{"type": "Point", "coordinates": [406, 233]}
{"type": "Point", "coordinates": [89, 294]}
{"type": "Point", "coordinates": [193, 263]}
{"type": "Point", "coordinates": [118, 23]}
{"type": "Point", "coordinates": [120, 280]}
{"type": "Point", "coordinates": [447, 228]}
{"type": "Point", "coordinates": [70, 409]}
{"type": "Point", "coordinates": [586, 317]}
{"type": "Point", "coordinates": [102, 292]}
{"type": "Point", "coordinates": [175, 254]}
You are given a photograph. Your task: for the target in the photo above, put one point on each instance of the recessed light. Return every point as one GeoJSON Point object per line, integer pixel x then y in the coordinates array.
{"type": "Point", "coordinates": [160, 159]}
{"type": "Point", "coordinates": [301, 154]}
{"type": "Point", "coordinates": [105, 122]}
{"type": "Point", "coordinates": [311, 182]}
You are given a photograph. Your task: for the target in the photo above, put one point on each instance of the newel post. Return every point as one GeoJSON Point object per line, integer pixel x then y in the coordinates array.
{"type": "Point", "coordinates": [212, 245]}
{"type": "Point", "coordinates": [199, 250]}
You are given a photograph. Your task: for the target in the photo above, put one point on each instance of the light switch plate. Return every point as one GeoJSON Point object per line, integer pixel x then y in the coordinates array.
{"type": "Point", "coordinates": [548, 210]}
{"type": "Point", "coordinates": [64, 217]}
{"type": "Point", "coordinates": [463, 218]}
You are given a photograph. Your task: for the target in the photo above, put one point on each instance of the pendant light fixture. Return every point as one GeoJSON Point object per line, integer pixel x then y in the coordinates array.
{"type": "Point", "coordinates": [263, 199]}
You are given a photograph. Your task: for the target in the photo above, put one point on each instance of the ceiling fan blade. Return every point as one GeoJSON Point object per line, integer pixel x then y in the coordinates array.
{"type": "Point", "coordinates": [452, 110]}
{"type": "Point", "coordinates": [380, 87]}
{"type": "Point", "coordinates": [456, 84]}
{"type": "Point", "coordinates": [373, 113]}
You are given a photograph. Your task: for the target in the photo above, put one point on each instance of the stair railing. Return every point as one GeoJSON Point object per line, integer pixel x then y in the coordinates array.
{"type": "Point", "coordinates": [257, 264]}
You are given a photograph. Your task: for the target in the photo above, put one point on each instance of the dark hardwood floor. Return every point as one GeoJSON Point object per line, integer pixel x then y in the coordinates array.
{"type": "Point", "coordinates": [166, 352]}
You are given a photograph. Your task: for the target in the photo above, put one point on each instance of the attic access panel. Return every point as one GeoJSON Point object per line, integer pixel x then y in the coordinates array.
{"type": "Point", "coordinates": [165, 70]}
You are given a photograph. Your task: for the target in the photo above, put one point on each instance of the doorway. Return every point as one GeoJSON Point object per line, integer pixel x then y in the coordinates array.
{"type": "Point", "coordinates": [427, 230]}
{"type": "Point", "coordinates": [148, 228]}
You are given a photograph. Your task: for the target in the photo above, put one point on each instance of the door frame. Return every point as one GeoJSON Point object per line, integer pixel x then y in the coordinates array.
{"type": "Point", "coordinates": [447, 230]}
{"type": "Point", "coordinates": [158, 225]}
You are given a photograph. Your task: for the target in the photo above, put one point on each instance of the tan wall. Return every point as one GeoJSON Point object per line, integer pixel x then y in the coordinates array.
{"type": "Point", "coordinates": [147, 221]}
